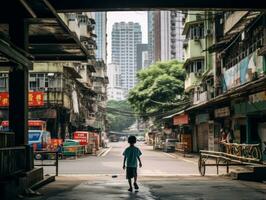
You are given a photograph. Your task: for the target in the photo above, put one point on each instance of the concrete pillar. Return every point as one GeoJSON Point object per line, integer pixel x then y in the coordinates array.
{"type": "Point", "coordinates": [18, 105]}
{"type": "Point", "coordinates": [18, 85]}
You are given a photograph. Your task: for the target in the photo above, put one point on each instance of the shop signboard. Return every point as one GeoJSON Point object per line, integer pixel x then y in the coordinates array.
{"type": "Point", "coordinates": [202, 118]}
{"type": "Point", "coordinates": [35, 99]}
{"type": "Point", "coordinates": [82, 137]}
{"type": "Point", "coordinates": [257, 97]}
{"type": "Point", "coordinates": [180, 119]}
{"type": "Point", "coordinates": [222, 112]}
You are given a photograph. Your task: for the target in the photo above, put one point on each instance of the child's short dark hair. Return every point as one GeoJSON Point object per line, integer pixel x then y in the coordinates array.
{"type": "Point", "coordinates": [132, 139]}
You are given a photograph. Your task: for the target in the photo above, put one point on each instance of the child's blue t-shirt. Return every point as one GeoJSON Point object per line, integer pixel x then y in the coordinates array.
{"type": "Point", "coordinates": [132, 153]}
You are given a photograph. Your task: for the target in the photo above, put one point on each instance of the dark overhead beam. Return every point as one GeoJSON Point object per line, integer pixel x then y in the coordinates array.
{"type": "Point", "coordinates": [60, 57]}
{"type": "Point", "coordinates": [50, 39]}
{"type": "Point", "coordinates": [119, 5]}
{"type": "Point", "coordinates": [65, 27]}
{"type": "Point", "coordinates": [28, 8]}
{"type": "Point", "coordinates": [13, 55]}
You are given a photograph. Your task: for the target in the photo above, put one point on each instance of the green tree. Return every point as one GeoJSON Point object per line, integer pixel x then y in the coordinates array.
{"type": "Point", "coordinates": [119, 115]}
{"type": "Point", "coordinates": [160, 88]}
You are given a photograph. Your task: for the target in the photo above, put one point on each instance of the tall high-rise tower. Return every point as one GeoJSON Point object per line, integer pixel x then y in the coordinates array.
{"type": "Point", "coordinates": [125, 37]}
{"type": "Point", "coordinates": [101, 40]}
{"type": "Point", "coordinates": [165, 35]}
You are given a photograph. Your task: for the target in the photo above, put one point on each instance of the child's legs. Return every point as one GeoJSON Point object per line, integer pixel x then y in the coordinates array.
{"type": "Point", "coordinates": [129, 182]}
{"type": "Point", "coordinates": [135, 179]}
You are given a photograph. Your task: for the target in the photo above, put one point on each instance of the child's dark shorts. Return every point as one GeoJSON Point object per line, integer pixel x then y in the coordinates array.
{"type": "Point", "coordinates": [131, 172]}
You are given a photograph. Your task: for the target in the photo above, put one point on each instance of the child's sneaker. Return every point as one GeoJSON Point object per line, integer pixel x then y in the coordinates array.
{"type": "Point", "coordinates": [130, 189]}
{"type": "Point", "coordinates": [136, 186]}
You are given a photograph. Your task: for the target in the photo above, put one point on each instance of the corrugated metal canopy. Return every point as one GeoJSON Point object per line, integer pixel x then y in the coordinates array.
{"type": "Point", "coordinates": [47, 37]}
{"type": "Point", "coordinates": [50, 40]}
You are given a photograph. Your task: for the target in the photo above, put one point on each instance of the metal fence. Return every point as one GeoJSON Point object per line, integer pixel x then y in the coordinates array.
{"type": "Point", "coordinates": [251, 152]}
{"type": "Point", "coordinates": [41, 158]}
{"type": "Point", "coordinates": [12, 160]}
{"type": "Point", "coordinates": [73, 151]}
{"type": "Point", "coordinates": [7, 139]}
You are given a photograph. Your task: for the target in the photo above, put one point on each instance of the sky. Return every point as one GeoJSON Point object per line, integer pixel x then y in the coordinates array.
{"type": "Point", "coordinates": [126, 16]}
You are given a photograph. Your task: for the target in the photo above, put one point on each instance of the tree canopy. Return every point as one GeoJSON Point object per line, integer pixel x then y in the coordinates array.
{"type": "Point", "coordinates": [160, 87]}
{"type": "Point", "coordinates": [117, 115]}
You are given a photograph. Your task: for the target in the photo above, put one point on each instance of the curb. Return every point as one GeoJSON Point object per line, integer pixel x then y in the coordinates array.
{"type": "Point", "coordinates": [43, 182]}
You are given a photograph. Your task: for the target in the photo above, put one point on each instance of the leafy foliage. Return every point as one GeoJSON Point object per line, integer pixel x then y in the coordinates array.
{"type": "Point", "coordinates": [119, 121]}
{"type": "Point", "coordinates": [160, 87]}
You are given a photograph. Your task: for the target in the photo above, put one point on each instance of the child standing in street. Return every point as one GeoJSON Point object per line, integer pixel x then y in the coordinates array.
{"type": "Point", "coordinates": [131, 157]}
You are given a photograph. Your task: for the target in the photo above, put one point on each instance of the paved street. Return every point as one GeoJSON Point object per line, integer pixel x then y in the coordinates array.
{"type": "Point", "coordinates": [155, 163]}
{"type": "Point", "coordinates": [163, 176]}
{"type": "Point", "coordinates": [158, 188]}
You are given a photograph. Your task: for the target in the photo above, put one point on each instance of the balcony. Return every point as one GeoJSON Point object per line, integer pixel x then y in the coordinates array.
{"type": "Point", "coordinates": [190, 81]}
{"type": "Point", "coordinates": [200, 98]}
{"type": "Point", "coordinates": [194, 48]}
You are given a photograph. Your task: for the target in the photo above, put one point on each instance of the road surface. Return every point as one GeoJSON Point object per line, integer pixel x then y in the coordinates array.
{"type": "Point", "coordinates": [155, 163]}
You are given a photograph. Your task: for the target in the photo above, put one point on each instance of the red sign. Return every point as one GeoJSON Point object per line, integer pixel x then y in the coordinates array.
{"type": "Point", "coordinates": [35, 99]}
{"type": "Point", "coordinates": [81, 136]}
{"type": "Point", "coordinates": [36, 123]}
{"type": "Point", "coordinates": [180, 119]}
{"type": "Point", "coordinates": [4, 99]}
{"type": "Point", "coordinates": [33, 124]}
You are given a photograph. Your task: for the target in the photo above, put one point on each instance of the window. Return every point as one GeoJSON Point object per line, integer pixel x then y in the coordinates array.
{"type": "Point", "coordinates": [199, 66]}
{"type": "Point", "coordinates": [196, 66]}
{"type": "Point", "coordinates": [41, 81]}
{"type": "Point", "coordinates": [196, 31]}
{"type": "Point", "coordinates": [3, 82]}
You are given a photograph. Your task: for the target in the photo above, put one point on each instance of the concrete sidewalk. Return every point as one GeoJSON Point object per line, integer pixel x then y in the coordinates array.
{"type": "Point", "coordinates": [151, 188]}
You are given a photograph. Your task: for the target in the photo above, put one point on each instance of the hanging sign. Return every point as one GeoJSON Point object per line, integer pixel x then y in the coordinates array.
{"type": "Point", "coordinates": [222, 112]}
{"type": "Point", "coordinates": [35, 99]}
{"type": "Point", "coordinates": [180, 119]}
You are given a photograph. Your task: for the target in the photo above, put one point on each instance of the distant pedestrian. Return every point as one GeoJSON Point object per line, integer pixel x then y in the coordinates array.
{"type": "Point", "coordinates": [131, 157]}
{"type": "Point", "coordinates": [223, 140]}
{"type": "Point", "coordinates": [230, 136]}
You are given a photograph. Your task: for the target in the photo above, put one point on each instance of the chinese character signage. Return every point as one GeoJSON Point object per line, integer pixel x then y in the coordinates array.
{"type": "Point", "coordinates": [222, 112]}
{"type": "Point", "coordinates": [35, 99]}
{"type": "Point", "coordinates": [180, 119]}
{"type": "Point", "coordinates": [4, 96]}
{"type": "Point", "coordinates": [257, 97]}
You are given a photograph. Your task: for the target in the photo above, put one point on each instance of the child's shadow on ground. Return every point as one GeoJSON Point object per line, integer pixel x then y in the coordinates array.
{"type": "Point", "coordinates": [133, 195]}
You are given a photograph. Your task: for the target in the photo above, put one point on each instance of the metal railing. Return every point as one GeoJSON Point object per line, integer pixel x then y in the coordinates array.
{"type": "Point", "coordinates": [12, 160]}
{"type": "Point", "coordinates": [42, 156]}
{"type": "Point", "coordinates": [235, 154]}
{"type": "Point", "coordinates": [73, 151]}
{"type": "Point", "coordinates": [7, 139]}
{"type": "Point", "coordinates": [250, 152]}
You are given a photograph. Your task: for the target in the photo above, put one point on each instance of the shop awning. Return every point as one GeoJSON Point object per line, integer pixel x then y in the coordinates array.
{"type": "Point", "coordinates": [72, 71]}
{"type": "Point", "coordinates": [172, 115]}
